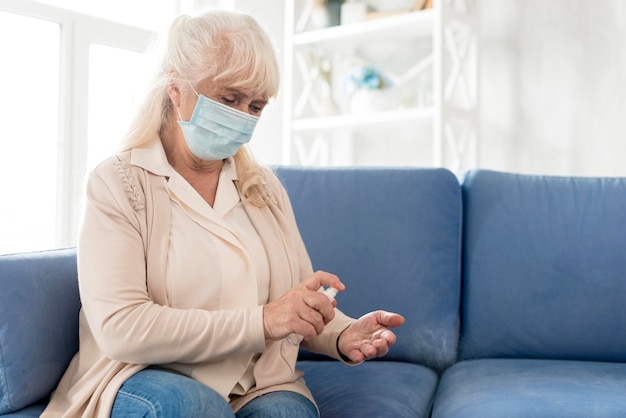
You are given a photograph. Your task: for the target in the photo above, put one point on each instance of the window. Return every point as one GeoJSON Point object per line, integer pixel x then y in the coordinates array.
{"type": "Point", "coordinates": [70, 92]}
{"type": "Point", "coordinates": [30, 114]}
{"type": "Point", "coordinates": [115, 94]}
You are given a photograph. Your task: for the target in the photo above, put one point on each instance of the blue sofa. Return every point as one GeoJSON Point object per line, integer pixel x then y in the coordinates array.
{"type": "Point", "coordinates": [513, 288]}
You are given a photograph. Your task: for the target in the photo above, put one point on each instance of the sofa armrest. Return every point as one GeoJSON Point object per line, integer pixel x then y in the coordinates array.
{"type": "Point", "coordinates": [39, 306]}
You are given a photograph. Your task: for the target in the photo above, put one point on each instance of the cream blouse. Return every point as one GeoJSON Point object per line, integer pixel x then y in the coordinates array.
{"type": "Point", "coordinates": [215, 260]}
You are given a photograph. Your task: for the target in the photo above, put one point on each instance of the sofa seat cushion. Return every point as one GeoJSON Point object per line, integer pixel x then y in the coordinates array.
{"type": "Point", "coordinates": [372, 389]}
{"type": "Point", "coordinates": [531, 388]}
{"type": "Point", "coordinates": [39, 306]}
{"type": "Point", "coordinates": [33, 411]}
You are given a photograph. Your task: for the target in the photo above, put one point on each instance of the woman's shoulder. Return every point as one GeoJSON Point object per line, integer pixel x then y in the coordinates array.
{"type": "Point", "coordinates": [112, 165]}
{"type": "Point", "coordinates": [120, 177]}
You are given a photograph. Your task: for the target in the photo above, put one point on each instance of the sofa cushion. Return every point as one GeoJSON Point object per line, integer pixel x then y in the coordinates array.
{"type": "Point", "coordinates": [39, 307]}
{"type": "Point", "coordinates": [519, 388]}
{"type": "Point", "coordinates": [372, 389]}
{"type": "Point", "coordinates": [544, 272]}
{"type": "Point", "coordinates": [393, 235]}
{"type": "Point", "coordinates": [33, 411]}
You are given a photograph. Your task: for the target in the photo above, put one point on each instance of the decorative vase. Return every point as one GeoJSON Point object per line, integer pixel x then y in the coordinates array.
{"type": "Point", "coordinates": [366, 100]}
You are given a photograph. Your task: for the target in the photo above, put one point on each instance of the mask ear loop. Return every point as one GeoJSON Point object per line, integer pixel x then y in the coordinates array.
{"type": "Point", "coordinates": [178, 107]}
{"type": "Point", "coordinates": [194, 90]}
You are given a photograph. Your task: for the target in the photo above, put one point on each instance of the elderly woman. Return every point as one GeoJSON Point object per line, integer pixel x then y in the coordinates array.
{"type": "Point", "coordinates": [195, 283]}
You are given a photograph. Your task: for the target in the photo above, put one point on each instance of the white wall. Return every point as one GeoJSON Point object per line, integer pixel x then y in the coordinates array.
{"type": "Point", "coordinates": [553, 86]}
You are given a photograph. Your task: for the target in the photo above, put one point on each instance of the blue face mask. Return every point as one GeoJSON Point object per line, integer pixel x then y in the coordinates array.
{"type": "Point", "coordinates": [216, 131]}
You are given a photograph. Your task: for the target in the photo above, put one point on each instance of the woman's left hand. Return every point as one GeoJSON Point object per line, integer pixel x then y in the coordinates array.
{"type": "Point", "coordinates": [369, 336]}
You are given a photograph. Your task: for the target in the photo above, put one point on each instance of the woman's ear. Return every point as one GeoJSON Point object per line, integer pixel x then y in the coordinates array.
{"type": "Point", "coordinates": [173, 87]}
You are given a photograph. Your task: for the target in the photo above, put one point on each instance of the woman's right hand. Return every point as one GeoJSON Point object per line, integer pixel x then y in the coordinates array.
{"type": "Point", "coordinates": [302, 310]}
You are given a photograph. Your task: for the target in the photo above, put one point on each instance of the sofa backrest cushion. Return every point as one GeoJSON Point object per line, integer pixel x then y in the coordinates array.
{"type": "Point", "coordinates": [39, 307]}
{"type": "Point", "coordinates": [544, 267]}
{"type": "Point", "coordinates": [393, 235]}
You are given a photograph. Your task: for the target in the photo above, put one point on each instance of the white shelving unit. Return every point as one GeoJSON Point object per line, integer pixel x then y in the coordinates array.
{"type": "Point", "coordinates": [431, 58]}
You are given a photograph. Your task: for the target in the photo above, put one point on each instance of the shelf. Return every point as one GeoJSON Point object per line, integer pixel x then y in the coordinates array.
{"type": "Point", "coordinates": [410, 25]}
{"type": "Point", "coordinates": [435, 51]}
{"type": "Point", "coordinates": [363, 120]}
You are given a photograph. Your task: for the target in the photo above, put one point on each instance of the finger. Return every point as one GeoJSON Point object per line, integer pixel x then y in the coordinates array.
{"type": "Point", "coordinates": [306, 330]}
{"type": "Point", "coordinates": [381, 348]}
{"type": "Point", "coordinates": [383, 344]}
{"type": "Point", "coordinates": [320, 303]}
{"type": "Point", "coordinates": [389, 337]}
{"type": "Point", "coordinates": [382, 351]}
{"type": "Point", "coordinates": [322, 278]}
{"type": "Point", "coordinates": [389, 319]}
{"type": "Point", "coordinates": [314, 319]}
{"type": "Point", "coordinates": [369, 351]}
{"type": "Point", "coordinates": [356, 356]}
{"type": "Point", "coordinates": [305, 327]}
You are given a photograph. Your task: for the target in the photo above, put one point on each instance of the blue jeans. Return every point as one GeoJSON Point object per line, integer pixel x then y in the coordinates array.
{"type": "Point", "coordinates": [154, 393]}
